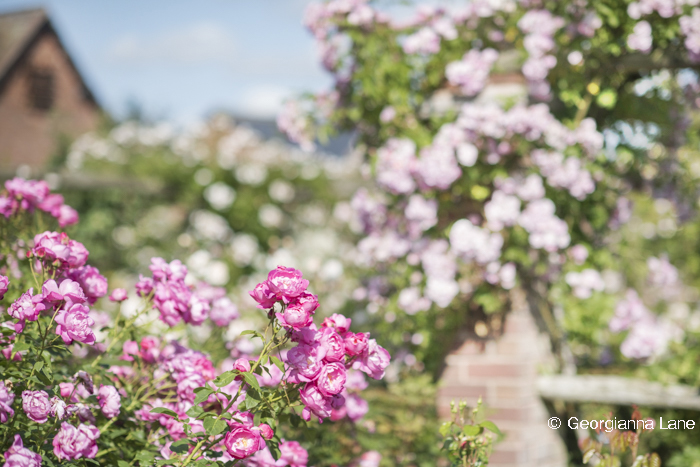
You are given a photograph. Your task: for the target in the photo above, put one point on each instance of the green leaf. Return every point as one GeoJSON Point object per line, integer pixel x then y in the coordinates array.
{"type": "Point", "coordinates": [202, 394]}
{"type": "Point", "coordinates": [225, 378]}
{"type": "Point", "coordinates": [180, 447]}
{"type": "Point", "coordinates": [122, 464]}
{"type": "Point", "coordinates": [164, 411]}
{"type": "Point", "coordinates": [213, 427]}
{"type": "Point", "coordinates": [445, 429]}
{"type": "Point", "coordinates": [252, 380]}
{"type": "Point", "coordinates": [195, 411]}
{"type": "Point", "coordinates": [471, 430]}
{"type": "Point", "coordinates": [255, 333]}
{"type": "Point", "coordinates": [38, 366]}
{"type": "Point", "coordinates": [278, 363]}
{"type": "Point", "coordinates": [489, 425]}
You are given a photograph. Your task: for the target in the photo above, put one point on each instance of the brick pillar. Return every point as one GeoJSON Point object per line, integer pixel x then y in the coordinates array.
{"type": "Point", "coordinates": [503, 372]}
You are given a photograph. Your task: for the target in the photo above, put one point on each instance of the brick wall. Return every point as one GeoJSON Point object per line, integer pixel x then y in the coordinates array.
{"type": "Point", "coordinates": [27, 135]}
{"type": "Point", "coordinates": [503, 372]}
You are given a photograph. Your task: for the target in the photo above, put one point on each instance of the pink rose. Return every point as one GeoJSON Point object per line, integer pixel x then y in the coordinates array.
{"type": "Point", "coordinates": [66, 216]}
{"type": "Point", "coordinates": [74, 323]}
{"type": "Point", "coordinates": [242, 365]}
{"type": "Point", "coordinates": [74, 443]}
{"type": "Point", "coordinates": [150, 350]}
{"type": "Point", "coordinates": [26, 307]}
{"type": "Point", "coordinates": [315, 403]}
{"type": "Point", "coordinates": [293, 454]}
{"type": "Point", "coordinates": [331, 379]}
{"type": "Point", "coordinates": [355, 343]}
{"type": "Point", "coordinates": [4, 283]}
{"type": "Point", "coordinates": [295, 317]}
{"type": "Point", "coordinates": [306, 362]}
{"type": "Point", "coordinates": [265, 431]}
{"type": "Point", "coordinates": [36, 405]}
{"type": "Point", "coordinates": [92, 282]}
{"type": "Point", "coordinates": [286, 283]}
{"type": "Point", "coordinates": [373, 360]}
{"type": "Point", "coordinates": [333, 344]}
{"type": "Point", "coordinates": [19, 456]}
{"type": "Point", "coordinates": [263, 295]}
{"type": "Point", "coordinates": [110, 401]}
{"type": "Point", "coordinates": [129, 350]}
{"type": "Point", "coordinates": [356, 407]}
{"type": "Point", "coordinates": [58, 407]}
{"type": "Point", "coordinates": [144, 286]}
{"type": "Point", "coordinates": [339, 322]}
{"type": "Point", "coordinates": [7, 397]}
{"type": "Point", "coordinates": [243, 442]}
{"type": "Point", "coordinates": [69, 290]}
{"type": "Point", "coordinates": [223, 311]}
{"type": "Point", "coordinates": [118, 295]}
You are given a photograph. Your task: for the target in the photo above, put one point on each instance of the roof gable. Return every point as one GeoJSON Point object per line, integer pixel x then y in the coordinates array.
{"type": "Point", "coordinates": [18, 32]}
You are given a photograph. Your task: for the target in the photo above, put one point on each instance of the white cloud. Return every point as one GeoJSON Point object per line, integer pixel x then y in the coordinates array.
{"type": "Point", "coordinates": [264, 100]}
{"type": "Point", "coordinates": [197, 44]}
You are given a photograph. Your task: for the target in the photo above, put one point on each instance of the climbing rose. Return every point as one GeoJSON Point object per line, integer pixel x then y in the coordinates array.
{"type": "Point", "coordinates": [242, 364]}
{"type": "Point", "coordinates": [355, 343]}
{"type": "Point", "coordinates": [26, 307]}
{"type": "Point", "coordinates": [315, 403]}
{"type": "Point", "coordinates": [263, 295]}
{"type": "Point", "coordinates": [75, 324]}
{"type": "Point", "coordinates": [118, 295]}
{"type": "Point", "coordinates": [19, 456]}
{"type": "Point", "coordinates": [373, 360]}
{"type": "Point", "coordinates": [36, 405]}
{"type": "Point", "coordinates": [331, 380]}
{"type": "Point", "coordinates": [92, 282]}
{"type": "Point", "coordinates": [110, 401]}
{"type": "Point", "coordinates": [58, 407]}
{"type": "Point", "coordinates": [293, 454]}
{"type": "Point", "coordinates": [4, 283]}
{"type": "Point", "coordinates": [243, 442]}
{"type": "Point", "coordinates": [7, 397]}
{"type": "Point", "coordinates": [286, 283]}
{"type": "Point", "coordinates": [265, 431]}
{"type": "Point", "coordinates": [74, 443]}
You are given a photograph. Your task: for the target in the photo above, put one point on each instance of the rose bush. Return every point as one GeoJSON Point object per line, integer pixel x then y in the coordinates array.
{"type": "Point", "coordinates": [113, 395]}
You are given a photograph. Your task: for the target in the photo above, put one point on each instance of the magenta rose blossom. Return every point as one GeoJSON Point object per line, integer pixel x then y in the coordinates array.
{"type": "Point", "coordinates": [339, 322]}
{"type": "Point", "coordinates": [373, 360]}
{"type": "Point", "coordinates": [66, 216]}
{"type": "Point", "coordinates": [26, 307]}
{"type": "Point", "coordinates": [315, 403]}
{"type": "Point", "coordinates": [242, 364]}
{"type": "Point", "coordinates": [144, 286]}
{"type": "Point", "coordinates": [286, 283]}
{"type": "Point", "coordinates": [54, 246]}
{"type": "Point", "coordinates": [36, 405]}
{"type": "Point", "coordinates": [118, 295]}
{"type": "Point", "coordinates": [356, 407]}
{"type": "Point", "coordinates": [265, 297]}
{"type": "Point", "coordinates": [293, 454]}
{"type": "Point", "coordinates": [333, 344]}
{"type": "Point", "coordinates": [242, 442]}
{"type": "Point", "coordinates": [110, 401]}
{"type": "Point", "coordinates": [74, 324]}
{"type": "Point", "coordinates": [73, 443]}
{"type": "Point", "coordinates": [331, 379]}
{"type": "Point", "coordinates": [92, 282]}
{"type": "Point", "coordinates": [7, 397]}
{"type": "Point", "coordinates": [19, 456]}
{"type": "Point", "coordinates": [355, 343]}
{"type": "Point", "coordinates": [58, 407]}
{"type": "Point", "coordinates": [68, 290]}
{"type": "Point", "coordinates": [223, 311]}
{"type": "Point", "coordinates": [306, 362]}
{"type": "Point", "coordinates": [265, 431]}
{"type": "Point", "coordinates": [4, 283]}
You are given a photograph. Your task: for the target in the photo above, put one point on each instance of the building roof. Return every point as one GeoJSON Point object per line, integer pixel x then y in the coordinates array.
{"type": "Point", "coordinates": [18, 32]}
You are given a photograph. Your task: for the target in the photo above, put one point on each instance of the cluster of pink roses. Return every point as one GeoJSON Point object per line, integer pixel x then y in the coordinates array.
{"type": "Point", "coordinates": [176, 301]}
{"type": "Point", "coordinates": [73, 322]}
{"type": "Point", "coordinates": [70, 443]}
{"type": "Point", "coordinates": [28, 195]}
{"type": "Point", "coordinates": [322, 357]}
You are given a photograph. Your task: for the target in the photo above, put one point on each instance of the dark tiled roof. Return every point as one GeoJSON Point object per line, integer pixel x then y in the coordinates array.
{"type": "Point", "coordinates": [17, 30]}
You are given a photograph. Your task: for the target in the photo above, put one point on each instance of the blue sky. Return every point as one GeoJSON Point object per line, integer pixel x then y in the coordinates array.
{"type": "Point", "coordinates": [180, 59]}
